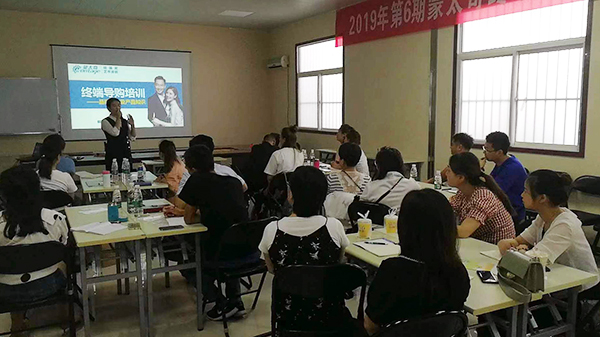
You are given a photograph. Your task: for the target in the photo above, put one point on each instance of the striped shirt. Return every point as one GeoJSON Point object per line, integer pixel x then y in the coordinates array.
{"type": "Point", "coordinates": [347, 181]}
{"type": "Point", "coordinates": [485, 207]}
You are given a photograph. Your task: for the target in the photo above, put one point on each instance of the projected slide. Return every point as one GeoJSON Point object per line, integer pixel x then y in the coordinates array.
{"type": "Point", "coordinates": [152, 95]}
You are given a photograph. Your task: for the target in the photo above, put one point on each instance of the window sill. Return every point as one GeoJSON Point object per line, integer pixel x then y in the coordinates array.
{"type": "Point", "coordinates": [558, 153]}
{"type": "Point", "coordinates": [323, 132]}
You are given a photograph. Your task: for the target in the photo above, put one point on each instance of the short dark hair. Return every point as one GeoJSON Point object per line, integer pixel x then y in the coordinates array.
{"type": "Point", "coordinates": [499, 141]}
{"type": "Point", "coordinates": [110, 100]}
{"type": "Point", "coordinates": [309, 189]}
{"type": "Point", "coordinates": [289, 134]}
{"type": "Point", "coordinates": [277, 137]}
{"type": "Point", "coordinates": [353, 137]}
{"type": "Point", "coordinates": [552, 184]}
{"type": "Point", "coordinates": [203, 140]}
{"type": "Point", "coordinates": [200, 158]}
{"type": "Point", "coordinates": [350, 153]}
{"type": "Point", "coordinates": [388, 159]}
{"type": "Point", "coordinates": [269, 137]}
{"type": "Point", "coordinates": [345, 128]}
{"type": "Point", "coordinates": [463, 139]}
{"type": "Point", "coordinates": [159, 78]}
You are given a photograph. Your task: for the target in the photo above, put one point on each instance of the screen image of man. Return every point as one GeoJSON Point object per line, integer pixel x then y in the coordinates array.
{"type": "Point", "coordinates": [157, 114]}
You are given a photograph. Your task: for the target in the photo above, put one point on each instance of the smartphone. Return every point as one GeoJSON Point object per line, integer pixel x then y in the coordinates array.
{"type": "Point", "coordinates": [486, 276]}
{"type": "Point", "coordinates": [169, 228]}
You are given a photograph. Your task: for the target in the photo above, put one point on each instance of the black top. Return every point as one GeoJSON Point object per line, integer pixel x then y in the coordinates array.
{"type": "Point", "coordinates": [221, 203]}
{"type": "Point", "coordinates": [255, 169]}
{"type": "Point", "coordinates": [156, 109]}
{"type": "Point", "coordinates": [401, 290]}
{"type": "Point", "coordinates": [118, 147]}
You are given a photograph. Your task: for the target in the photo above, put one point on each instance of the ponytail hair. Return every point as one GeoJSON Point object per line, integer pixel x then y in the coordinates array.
{"type": "Point", "coordinates": [290, 139]}
{"type": "Point", "coordinates": [467, 165]}
{"type": "Point", "coordinates": [167, 148]}
{"type": "Point", "coordinates": [50, 151]}
{"type": "Point", "coordinates": [552, 184]}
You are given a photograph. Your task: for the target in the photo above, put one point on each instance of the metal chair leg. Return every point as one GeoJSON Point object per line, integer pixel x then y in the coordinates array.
{"type": "Point", "coordinates": [225, 328]}
{"type": "Point", "coordinates": [260, 285]}
{"type": "Point", "coordinates": [595, 244]}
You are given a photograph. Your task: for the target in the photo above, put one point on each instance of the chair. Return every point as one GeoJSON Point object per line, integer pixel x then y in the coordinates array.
{"type": "Point", "coordinates": [590, 186]}
{"type": "Point", "coordinates": [23, 259]}
{"type": "Point", "coordinates": [376, 211]}
{"type": "Point", "coordinates": [238, 243]}
{"type": "Point", "coordinates": [56, 199]}
{"type": "Point", "coordinates": [442, 324]}
{"type": "Point", "coordinates": [331, 282]}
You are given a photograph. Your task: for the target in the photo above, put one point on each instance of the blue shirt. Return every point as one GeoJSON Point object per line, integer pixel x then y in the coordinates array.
{"type": "Point", "coordinates": [66, 165]}
{"type": "Point", "coordinates": [511, 176]}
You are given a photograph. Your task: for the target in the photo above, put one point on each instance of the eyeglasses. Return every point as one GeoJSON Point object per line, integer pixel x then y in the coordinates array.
{"type": "Point", "coordinates": [486, 150]}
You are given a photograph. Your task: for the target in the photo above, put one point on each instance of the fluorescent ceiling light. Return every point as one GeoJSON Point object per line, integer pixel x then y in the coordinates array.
{"type": "Point", "coordinates": [237, 14]}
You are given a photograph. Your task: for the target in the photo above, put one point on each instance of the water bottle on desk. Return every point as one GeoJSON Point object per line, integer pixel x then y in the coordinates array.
{"type": "Point", "coordinates": [312, 156]}
{"type": "Point", "coordinates": [126, 168]}
{"type": "Point", "coordinates": [114, 171]}
{"type": "Point", "coordinates": [113, 206]}
{"type": "Point", "coordinates": [437, 180]}
{"type": "Point", "coordinates": [306, 162]}
{"type": "Point", "coordinates": [131, 199]}
{"type": "Point", "coordinates": [414, 173]}
{"type": "Point", "coordinates": [139, 201]}
{"type": "Point", "coordinates": [141, 174]}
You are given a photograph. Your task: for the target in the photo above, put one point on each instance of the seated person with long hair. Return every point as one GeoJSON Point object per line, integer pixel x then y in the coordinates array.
{"type": "Point", "coordinates": [556, 231]}
{"type": "Point", "coordinates": [305, 238]}
{"type": "Point", "coordinates": [173, 166]}
{"type": "Point", "coordinates": [51, 179]}
{"type": "Point", "coordinates": [389, 177]}
{"type": "Point", "coordinates": [65, 164]}
{"type": "Point", "coordinates": [347, 178]}
{"type": "Point", "coordinates": [427, 277]}
{"type": "Point", "coordinates": [25, 222]}
{"type": "Point", "coordinates": [483, 210]}
{"type": "Point", "coordinates": [288, 158]}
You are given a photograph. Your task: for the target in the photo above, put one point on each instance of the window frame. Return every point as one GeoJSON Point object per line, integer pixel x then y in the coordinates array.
{"type": "Point", "coordinates": [514, 52]}
{"type": "Point", "coordinates": [320, 73]}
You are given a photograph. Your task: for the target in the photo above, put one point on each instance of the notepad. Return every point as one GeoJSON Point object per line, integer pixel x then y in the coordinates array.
{"type": "Point", "coordinates": [87, 175]}
{"type": "Point", "coordinates": [100, 228]}
{"type": "Point", "coordinates": [380, 247]}
{"type": "Point", "coordinates": [154, 217]}
{"type": "Point", "coordinates": [93, 210]}
{"type": "Point", "coordinates": [493, 254]}
{"type": "Point", "coordinates": [178, 221]}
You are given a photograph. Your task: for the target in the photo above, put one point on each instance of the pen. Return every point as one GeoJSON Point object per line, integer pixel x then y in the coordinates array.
{"type": "Point", "coordinates": [376, 243]}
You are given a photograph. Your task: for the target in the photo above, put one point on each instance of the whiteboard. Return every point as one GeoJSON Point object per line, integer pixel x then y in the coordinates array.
{"type": "Point", "coordinates": [28, 106]}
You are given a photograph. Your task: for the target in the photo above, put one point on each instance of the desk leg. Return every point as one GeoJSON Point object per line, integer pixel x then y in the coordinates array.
{"type": "Point", "coordinates": [572, 310]}
{"type": "Point", "coordinates": [522, 318]}
{"type": "Point", "coordinates": [199, 296]}
{"type": "Point", "coordinates": [513, 317]}
{"type": "Point", "coordinates": [149, 284]}
{"type": "Point", "coordinates": [141, 289]}
{"type": "Point", "coordinates": [84, 292]}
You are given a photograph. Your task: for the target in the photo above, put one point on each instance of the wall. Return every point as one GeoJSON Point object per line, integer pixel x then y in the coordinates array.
{"type": "Point", "coordinates": [387, 94]}
{"type": "Point", "coordinates": [229, 74]}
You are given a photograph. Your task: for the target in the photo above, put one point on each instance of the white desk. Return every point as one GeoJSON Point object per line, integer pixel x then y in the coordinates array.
{"type": "Point", "coordinates": [446, 191]}
{"type": "Point", "coordinates": [486, 298]}
{"type": "Point", "coordinates": [95, 185]}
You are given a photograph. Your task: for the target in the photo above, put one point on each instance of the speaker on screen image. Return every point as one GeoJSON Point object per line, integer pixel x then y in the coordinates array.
{"type": "Point", "coordinates": [164, 106]}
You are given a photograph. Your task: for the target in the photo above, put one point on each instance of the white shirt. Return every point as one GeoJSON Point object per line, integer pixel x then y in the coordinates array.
{"type": "Point", "coordinates": [56, 225]}
{"type": "Point", "coordinates": [343, 181]}
{"type": "Point", "coordinates": [221, 170]}
{"type": "Point", "coordinates": [284, 160]}
{"type": "Point", "coordinates": [363, 164]}
{"type": "Point", "coordinates": [299, 226]}
{"type": "Point", "coordinates": [564, 242]}
{"type": "Point", "coordinates": [113, 130]}
{"type": "Point", "coordinates": [59, 181]}
{"type": "Point", "coordinates": [376, 188]}
{"type": "Point", "coordinates": [161, 98]}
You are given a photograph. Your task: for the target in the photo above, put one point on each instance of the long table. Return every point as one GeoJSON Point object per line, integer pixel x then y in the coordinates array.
{"type": "Point", "coordinates": [147, 231]}
{"type": "Point", "coordinates": [486, 298]}
{"type": "Point", "coordinates": [91, 186]}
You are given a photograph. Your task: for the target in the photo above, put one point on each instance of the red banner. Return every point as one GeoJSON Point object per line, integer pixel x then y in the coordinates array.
{"type": "Point", "coordinates": [378, 19]}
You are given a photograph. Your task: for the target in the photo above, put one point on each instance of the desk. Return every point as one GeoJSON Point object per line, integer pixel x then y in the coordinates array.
{"type": "Point", "coordinates": [153, 165]}
{"type": "Point", "coordinates": [446, 191]}
{"type": "Point", "coordinates": [95, 186]}
{"type": "Point", "coordinates": [486, 298]}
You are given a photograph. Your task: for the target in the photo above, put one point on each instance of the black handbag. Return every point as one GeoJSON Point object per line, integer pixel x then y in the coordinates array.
{"type": "Point", "coordinates": [376, 210]}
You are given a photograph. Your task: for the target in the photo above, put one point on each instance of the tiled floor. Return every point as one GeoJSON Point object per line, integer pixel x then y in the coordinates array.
{"type": "Point", "coordinates": [174, 313]}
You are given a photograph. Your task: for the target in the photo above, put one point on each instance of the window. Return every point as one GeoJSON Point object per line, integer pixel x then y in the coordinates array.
{"type": "Point", "coordinates": [320, 85]}
{"type": "Point", "coordinates": [522, 74]}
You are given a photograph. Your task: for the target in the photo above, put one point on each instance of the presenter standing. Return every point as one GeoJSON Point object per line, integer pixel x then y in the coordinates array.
{"type": "Point", "coordinates": [119, 132]}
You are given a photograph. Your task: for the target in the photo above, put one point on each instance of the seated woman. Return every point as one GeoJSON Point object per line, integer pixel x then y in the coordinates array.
{"type": "Point", "coordinates": [305, 238]}
{"type": "Point", "coordinates": [65, 164]}
{"type": "Point", "coordinates": [556, 231]}
{"type": "Point", "coordinates": [389, 177]}
{"type": "Point", "coordinates": [427, 277]}
{"type": "Point", "coordinates": [347, 179]}
{"type": "Point", "coordinates": [288, 158]}
{"type": "Point", "coordinates": [52, 179]}
{"type": "Point", "coordinates": [173, 168]}
{"type": "Point", "coordinates": [483, 210]}
{"type": "Point", "coordinates": [25, 222]}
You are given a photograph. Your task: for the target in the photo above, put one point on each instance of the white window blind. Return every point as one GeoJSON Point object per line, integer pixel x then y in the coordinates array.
{"type": "Point", "coordinates": [522, 74]}
{"type": "Point", "coordinates": [320, 67]}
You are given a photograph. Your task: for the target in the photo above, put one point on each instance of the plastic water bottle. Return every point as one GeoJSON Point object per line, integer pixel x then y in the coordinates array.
{"type": "Point", "coordinates": [131, 199]}
{"type": "Point", "coordinates": [114, 171]}
{"type": "Point", "coordinates": [126, 171]}
{"type": "Point", "coordinates": [312, 156]}
{"type": "Point", "coordinates": [141, 173]}
{"type": "Point", "coordinates": [117, 201]}
{"type": "Point", "coordinates": [413, 172]}
{"type": "Point", "coordinates": [437, 180]}
{"type": "Point", "coordinates": [306, 162]}
{"type": "Point", "coordinates": [138, 201]}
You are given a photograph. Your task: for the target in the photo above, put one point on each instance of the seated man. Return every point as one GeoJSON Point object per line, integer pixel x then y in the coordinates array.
{"type": "Point", "coordinates": [509, 173]}
{"type": "Point", "coordinates": [259, 158]}
{"type": "Point", "coordinates": [217, 202]}
{"type": "Point", "coordinates": [461, 142]}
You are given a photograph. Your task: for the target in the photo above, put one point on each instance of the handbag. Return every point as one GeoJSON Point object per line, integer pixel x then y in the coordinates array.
{"type": "Point", "coordinates": [376, 210]}
{"type": "Point", "coordinates": [520, 275]}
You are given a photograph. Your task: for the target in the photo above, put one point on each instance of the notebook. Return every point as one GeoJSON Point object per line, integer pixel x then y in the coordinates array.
{"type": "Point", "coordinates": [493, 254]}
{"type": "Point", "coordinates": [380, 247]}
{"type": "Point", "coordinates": [100, 228]}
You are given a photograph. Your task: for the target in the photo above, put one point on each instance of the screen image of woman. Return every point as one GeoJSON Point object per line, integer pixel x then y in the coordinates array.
{"type": "Point", "coordinates": [173, 107]}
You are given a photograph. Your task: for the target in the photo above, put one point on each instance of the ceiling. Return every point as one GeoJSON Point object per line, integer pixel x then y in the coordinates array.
{"type": "Point", "coordinates": [267, 13]}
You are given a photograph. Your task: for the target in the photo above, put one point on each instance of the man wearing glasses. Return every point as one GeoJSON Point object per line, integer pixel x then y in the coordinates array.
{"type": "Point", "coordinates": [509, 173]}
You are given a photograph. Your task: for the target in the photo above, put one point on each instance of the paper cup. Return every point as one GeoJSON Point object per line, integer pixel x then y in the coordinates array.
{"type": "Point", "coordinates": [391, 224]}
{"type": "Point", "coordinates": [364, 228]}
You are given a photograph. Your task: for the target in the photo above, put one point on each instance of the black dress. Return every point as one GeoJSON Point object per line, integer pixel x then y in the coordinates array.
{"type": "Point", "coordinates": [317, 248]}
